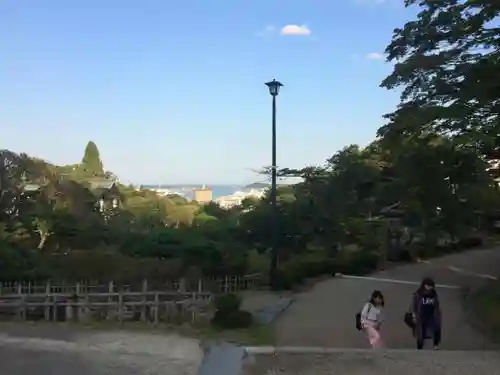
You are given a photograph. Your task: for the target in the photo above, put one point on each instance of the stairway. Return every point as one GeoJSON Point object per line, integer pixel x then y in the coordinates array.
{"type": "Point", "coordinates": [369, 362]}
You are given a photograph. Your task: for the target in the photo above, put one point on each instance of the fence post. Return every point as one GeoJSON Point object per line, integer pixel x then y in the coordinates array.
{"type": "Point", "coordinates": [226, 287]}
{"type": "Point", "coordinates": [79, 313]}
{"type": "Point", "coordinates": [54, 308]}
{"type": "Point", "coordinates": [86, 308]}
{"type": "Point", "coordinates": [182, 285]}
{"type": "Point", "coordinates": [157, 309]}
{"type": "Point", "coordinates": [194, 307]}
{"type": "Point", "coordinates": [21, 312]}
{"type": "Point", "coordinates": [144, 299]}
{"type": "Point", "coordinates": [120, 306]}
{"type": "Point", "coordinates": [200, 285]}
{"type": "Point", "coordinates": [110, 298]}
{"type": "Point", "coordinates": [47, 301]}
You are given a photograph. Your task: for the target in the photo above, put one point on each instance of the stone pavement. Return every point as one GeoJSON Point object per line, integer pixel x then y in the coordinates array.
{"type": "Point", "coordinates": [369, 362]}
{"type": "Point", "coordinates": [51, 350]}
{"type": "Point", "coordinates": [324, 316]}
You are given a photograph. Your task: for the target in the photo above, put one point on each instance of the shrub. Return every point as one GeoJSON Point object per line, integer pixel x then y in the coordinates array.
{"type": "Point", "coordinates": [233, 320]}
{"type": "Point", "coordinates": [400, 254]}
{"type": "Point", "coordinates": [300, 267]}
{"type": "Point", "coordinates": [470, 241]}
{"type": "Point", "coordinates": [229, 315]}
{"type": "Point", "coordinates": [257, 263]}
{"type": "Point", "coordinates": [227, 303]}
{"type": "Point", "coordinates": [358, 263]}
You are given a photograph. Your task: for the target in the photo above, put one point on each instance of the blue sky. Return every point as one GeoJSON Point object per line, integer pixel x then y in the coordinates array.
{"type": "Point", "coordinates": [173, 91]}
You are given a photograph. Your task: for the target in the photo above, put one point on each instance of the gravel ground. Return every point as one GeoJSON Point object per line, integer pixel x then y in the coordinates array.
{"type": "Point", "coordinates": [62, 351]}
{"type": "Point", "coordinates": [376, 363]}
{"type": "Point", "coordinates": [324, 316]}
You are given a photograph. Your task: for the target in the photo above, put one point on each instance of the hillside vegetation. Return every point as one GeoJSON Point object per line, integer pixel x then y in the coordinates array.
{"type": "Point", "coordinates": [422, 187]}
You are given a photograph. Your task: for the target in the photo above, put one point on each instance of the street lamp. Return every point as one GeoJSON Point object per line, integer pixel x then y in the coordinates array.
{"type": "Point", "coordinates": [274, 89]}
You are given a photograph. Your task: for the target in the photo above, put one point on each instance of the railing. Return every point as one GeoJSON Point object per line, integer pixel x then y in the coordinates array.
{"type": "Point", "coordinates": [172, 302]}
{"type": "Point", "coordinates": [119, 306]}
{"type": "Point", "coordinates": [216, 285]}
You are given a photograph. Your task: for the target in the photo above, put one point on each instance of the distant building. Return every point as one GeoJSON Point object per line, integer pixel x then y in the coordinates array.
{"type": "Point", "coordinates": [203, 195]}
{"type": "Point", "coordinates": [237, 198]}
{"type": "Point", "coordinates": [106, 192]}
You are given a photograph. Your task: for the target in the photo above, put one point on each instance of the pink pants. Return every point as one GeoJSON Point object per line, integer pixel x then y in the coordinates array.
{"type": "Point", "coordinates": [373, 335]}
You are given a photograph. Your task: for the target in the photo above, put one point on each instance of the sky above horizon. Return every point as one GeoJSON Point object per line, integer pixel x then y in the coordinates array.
{"type": "Point", "coordinates": [173, 91]}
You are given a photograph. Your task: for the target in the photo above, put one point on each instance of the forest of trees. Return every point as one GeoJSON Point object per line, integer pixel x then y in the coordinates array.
{"type": "Point", "coordinates": [422, 187]}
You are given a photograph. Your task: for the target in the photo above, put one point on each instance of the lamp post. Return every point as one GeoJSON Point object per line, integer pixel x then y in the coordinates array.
{"type": "Point", "coordinates": [274, 89]}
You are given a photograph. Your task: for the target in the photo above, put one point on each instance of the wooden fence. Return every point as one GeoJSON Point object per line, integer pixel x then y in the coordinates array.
{"type": "Point", "coordinates": [176, 302]}
{"type": "Point", "coordinates": [227, 284]}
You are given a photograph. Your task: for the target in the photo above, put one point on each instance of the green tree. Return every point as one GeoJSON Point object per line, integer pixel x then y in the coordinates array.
{"type": "Point", "coordinates": [447, 63]}
{"type": "Point", "coordinates": [91, 162]}
{"type": "Point", "coordinates": [12, 171]}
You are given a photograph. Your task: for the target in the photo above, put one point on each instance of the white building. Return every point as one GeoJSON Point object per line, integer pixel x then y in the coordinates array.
{"type": "Point", "coordinates": [237, 198]}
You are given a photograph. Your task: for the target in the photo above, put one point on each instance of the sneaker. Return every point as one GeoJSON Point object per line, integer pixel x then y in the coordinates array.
{"type": "Point", "coordinates": [436, 347]}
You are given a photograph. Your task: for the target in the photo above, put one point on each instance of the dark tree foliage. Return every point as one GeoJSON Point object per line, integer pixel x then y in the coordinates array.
{"type": "Point", "coordinates": [447, 64]}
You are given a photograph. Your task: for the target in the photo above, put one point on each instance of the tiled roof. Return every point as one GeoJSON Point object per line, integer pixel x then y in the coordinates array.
{"type": "Point", "coordinates": [101, 183]}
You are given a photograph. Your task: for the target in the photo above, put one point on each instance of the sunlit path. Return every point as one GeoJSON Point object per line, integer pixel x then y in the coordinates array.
{"type": "Point", "coordinates": [324, 316]}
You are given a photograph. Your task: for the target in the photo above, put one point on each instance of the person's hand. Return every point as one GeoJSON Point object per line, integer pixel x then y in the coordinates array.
{"type": "Point", "coordinates": [414, 317]}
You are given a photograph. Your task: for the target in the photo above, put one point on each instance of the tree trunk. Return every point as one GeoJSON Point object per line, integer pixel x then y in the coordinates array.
{"type": "Point", "coordinates": [43, 238]}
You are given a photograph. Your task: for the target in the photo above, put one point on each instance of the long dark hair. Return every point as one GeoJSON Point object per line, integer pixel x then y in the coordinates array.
{"type": "Point", "coordinates": [377, 294]}
{"type": "Point", "coordinates": [429, 282]}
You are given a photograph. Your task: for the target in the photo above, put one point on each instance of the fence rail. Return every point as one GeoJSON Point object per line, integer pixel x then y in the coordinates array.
{"type": "Point", "coordinates": [227, 284]}
{"type": "Point", "coordinates": [176, 302]}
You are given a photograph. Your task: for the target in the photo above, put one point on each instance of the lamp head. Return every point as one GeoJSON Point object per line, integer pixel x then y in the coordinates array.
{"type": "Point", "coordinates": [274, 87]}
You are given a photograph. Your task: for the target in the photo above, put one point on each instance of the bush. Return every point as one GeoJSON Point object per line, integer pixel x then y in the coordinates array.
{"type": "Point", "coordinates": [303, 266]}
{"type": "Point", "coordinates": [351, 260]}
{"type": "Point", "coordinates": [358, 263]}
{"type": "Point", "coordinates": [229, 315]}
{"type": "Point", "coordinates": [228, 303]}
{"type": "Point", "coordinates": [233, 320]}
{"type": "Point", "coordinates": [287, 277]}
{"type": "Point", "coordinates": [470, 241]}
{"type": "Point", "coordinates": [257, 263]}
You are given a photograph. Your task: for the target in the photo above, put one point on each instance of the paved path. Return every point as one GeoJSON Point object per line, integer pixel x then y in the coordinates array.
{"type": "Point", "coordinates": [376, 363]}
{"type": "Point", "coordinates": [324, 316]}
{"type": "Point", "coordinates": [55, 350]}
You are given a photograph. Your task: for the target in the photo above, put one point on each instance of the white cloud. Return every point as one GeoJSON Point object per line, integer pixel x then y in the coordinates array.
{"type": "Point", "coordinates": [295, 30]}
{"type": "Point", "coordinates": [375, 56]}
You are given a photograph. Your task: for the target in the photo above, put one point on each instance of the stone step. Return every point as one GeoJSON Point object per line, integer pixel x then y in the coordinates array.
{"type": "Point", "coordinates": [369, 362]}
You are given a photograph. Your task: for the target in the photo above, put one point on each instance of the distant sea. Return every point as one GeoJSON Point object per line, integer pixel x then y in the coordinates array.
{"type": "Point", "coordinates": [187, 190]}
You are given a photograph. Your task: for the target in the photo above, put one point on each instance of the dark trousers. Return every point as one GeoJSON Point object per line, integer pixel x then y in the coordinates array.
{"type": "Point", "coordinates": [435, 331]}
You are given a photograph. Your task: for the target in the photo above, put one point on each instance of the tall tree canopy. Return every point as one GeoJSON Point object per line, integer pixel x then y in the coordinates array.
{"type": "Point", "coordinates": [447, 63]}
{"type": "Point", "coordinates": [91, 162]}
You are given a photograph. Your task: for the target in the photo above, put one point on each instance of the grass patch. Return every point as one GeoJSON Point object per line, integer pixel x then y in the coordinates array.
{"type": "Point", "coordinates": [486, 306]}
